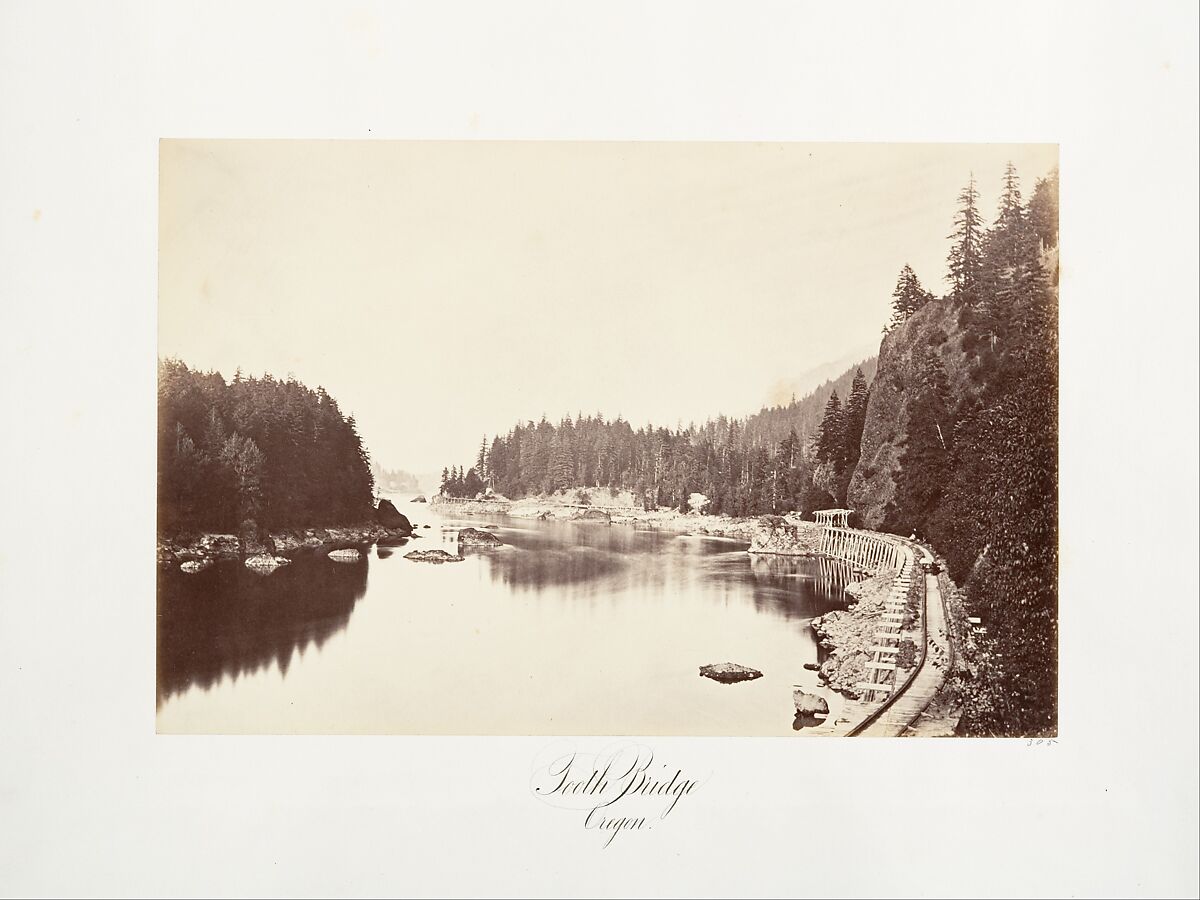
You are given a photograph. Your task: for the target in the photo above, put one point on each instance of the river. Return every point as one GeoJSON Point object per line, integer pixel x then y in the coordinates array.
{"type": "Point", "coordinates": [573, 629]}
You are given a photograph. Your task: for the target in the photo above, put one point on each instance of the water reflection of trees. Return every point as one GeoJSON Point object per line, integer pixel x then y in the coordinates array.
{"type": "Point", "coordinates": [229, 622]}
{"type": "Point", "coordinates": [565, 555]}
{"type": "Point", "coordinates": [522, 570]}
{"type": "Point", "coordinates": [590, 560]}
{"type": "Point", "coordinates": [799, 587]}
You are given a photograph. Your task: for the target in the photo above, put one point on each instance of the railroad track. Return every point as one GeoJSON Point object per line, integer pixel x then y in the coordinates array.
{"type": "Point", "coordinates": [904, 706]}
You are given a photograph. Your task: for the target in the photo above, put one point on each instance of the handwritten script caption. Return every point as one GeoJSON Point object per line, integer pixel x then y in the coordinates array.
{"type": "Point", "coordinates": [621, 789]}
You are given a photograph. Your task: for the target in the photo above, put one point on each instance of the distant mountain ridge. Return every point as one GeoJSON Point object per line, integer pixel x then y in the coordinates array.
{"type": "Point", "coordinates": [808, 381]}
{"type": "Point", "coordinates": [770, 425]}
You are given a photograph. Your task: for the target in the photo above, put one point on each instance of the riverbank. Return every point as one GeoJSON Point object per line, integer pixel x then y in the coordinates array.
{"type": "Point", "coordinates": [558, 508]}
{"type": "Point", "coordinates": [847, 636]}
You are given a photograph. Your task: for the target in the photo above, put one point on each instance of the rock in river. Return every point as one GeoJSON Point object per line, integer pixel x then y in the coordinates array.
{"type": "Point", "coordinates": [433, 556]}
{"type": "Point", "coordinates": [389, 517]}
{"type": "Point", "coordinates": [729, 673]}
{"type": "Point", "coordinates": [346, 555]}
{"type": "Point", "coordinates": [420, 498]}
{"type": "Point", "coordinates": [775, 534]}
{"type": "Point", "coordinates": [265, 563]}
{"type": "Point", "coordinates": [195, 565]}
{"type": "Point", "coordinates": [809, 704]}
{"type": "Point", "coordinates": [473, 537]}
{"type": "Point", "coordinates": [395, 538]}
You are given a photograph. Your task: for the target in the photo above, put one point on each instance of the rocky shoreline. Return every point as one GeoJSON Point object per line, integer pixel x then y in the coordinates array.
{"type": "Point", "coordinates": [209, 548]}
{"type": "Point", "coordinates": [786, 536]}
{"type": "Point", "coordinates": [547, 509]}
{"type": "Point", "coordinates": [847, 636]}
{"type": "Point", "coordinates": [264, 553]}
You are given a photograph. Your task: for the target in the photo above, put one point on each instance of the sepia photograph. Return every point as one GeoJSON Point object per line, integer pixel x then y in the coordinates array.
{"type": "Point", "coordinates": [522, 438]}
{"type": "Point", "coordinates": [475, 449]}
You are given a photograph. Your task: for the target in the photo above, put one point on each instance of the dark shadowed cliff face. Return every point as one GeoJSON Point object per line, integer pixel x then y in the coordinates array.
{"type": "Point", "coordinates": [960, 445]}
{"type": "Point", "coordinates": [902, 357]}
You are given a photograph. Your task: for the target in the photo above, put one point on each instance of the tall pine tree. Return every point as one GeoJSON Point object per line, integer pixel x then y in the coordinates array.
{"type": "Point", "coordinates": [1011, 272]}
{"type": "Point", "coordinates": [966, 253]}
{"type": "Point", "coordinates": [1043, 209]}
{"type": "Point", "coordinates": [854, 419]}
{"type": "Point", "coordinates": [830, 435]}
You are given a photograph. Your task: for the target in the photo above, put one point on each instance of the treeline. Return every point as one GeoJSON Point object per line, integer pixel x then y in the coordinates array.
{"type": "Point", "coordinates": [839, 439]}
{"type": "Point", "coordinates": [393, 479]}
{"type": "Point", "coordinates": [456, 483]}
{"type": "Point", "coordinates": [255, 454]}
{"type": "Point", "coordinates": [979, 472]}
{"type": "Point", "coordinates": [804, 416]}
{"type": "Point", "coordinates": [735, 464]}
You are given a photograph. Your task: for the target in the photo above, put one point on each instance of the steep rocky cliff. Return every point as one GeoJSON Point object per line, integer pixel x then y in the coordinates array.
{"type": "Point", "coordinates": [935, 327]}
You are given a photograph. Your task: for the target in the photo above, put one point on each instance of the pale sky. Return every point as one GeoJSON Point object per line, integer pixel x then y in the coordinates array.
{"type": "Point", "coordinates": [443, 290]}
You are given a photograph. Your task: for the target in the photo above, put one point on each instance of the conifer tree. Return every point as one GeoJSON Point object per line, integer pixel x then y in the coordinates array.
{"type": "Point", "coordinates": [966, 253]}
{"type": "Point", "coordinates": [926, 460]}
{"type": "Point", "coordinates": [472, 484]}
{"type": "Point", "coordinates": [854, 420]}
{"type": "Point", "coordinates": [1043, 209]}
{"type": "Point", "coordinates": [1011, 273]}
{"type": "Point", "coordinates": [907, 298]}
{"type": "Point", "coordinates": [562, 467]}
{"type": "Point", "coordinates": [830, 436]}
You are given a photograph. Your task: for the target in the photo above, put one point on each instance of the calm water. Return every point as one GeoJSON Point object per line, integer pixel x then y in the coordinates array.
{"type": "Point", "coordinates": [570, 629]}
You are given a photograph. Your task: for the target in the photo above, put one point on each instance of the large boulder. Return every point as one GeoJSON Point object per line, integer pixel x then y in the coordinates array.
{"type": "Point", "coordinates": [345, 555]}
{"type": "Point", "coordinates": [729, 673]}
{"type": "Point", "coordinates": [809, 704]}
{"type": "Point", "coordinates": [473, 537]}
{"type": "Point", "coordinates": [774, 534]}
{"type": "Point", "coordinates": [389, 517]}
{"type": "Point", "coordinates": [397, 538]}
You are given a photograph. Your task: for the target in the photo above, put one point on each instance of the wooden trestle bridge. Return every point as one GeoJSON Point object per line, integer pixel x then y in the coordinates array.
{"type": "Point", "coordinates": [901, 704]}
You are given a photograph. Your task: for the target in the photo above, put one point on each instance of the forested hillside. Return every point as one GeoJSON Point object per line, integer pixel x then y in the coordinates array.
{"type": "Point", "coordinates": [255, 454]}
{"type": "Point", "coordinates": [961, 442]}
{"type": "Point", "coordinates": [760, 464]}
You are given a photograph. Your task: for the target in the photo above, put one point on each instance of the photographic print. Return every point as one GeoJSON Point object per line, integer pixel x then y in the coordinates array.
{"type": "Point", "coordinates": [552, 438]}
